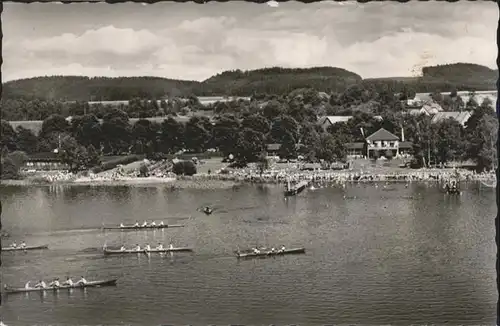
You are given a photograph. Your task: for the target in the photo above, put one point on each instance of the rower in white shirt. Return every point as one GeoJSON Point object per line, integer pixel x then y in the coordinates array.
{"type": "Point", "coordinates": [145, 224]}
{"type": "Point", "coordinates": [161, 223]}
{"type": "Point", "coordinates": [137, 248]}
{"type": "Point", "coordinates": [55, 283]}
{"type": "Point", "coordinates": [121, 225]}
{"type": "Point", "coordinates": [27, 285]}
{"type": "Point", "coordinates": [82, 281]}
{"type": "Point", "coordinates": [136, 224]}
{"type": "Point", "coordinates": [41, 284]}
{"type": "Point", "coordinates": [160, 246]}
{"type": "Point", "coordinates": [256, 251]}
{"type": "Point", "coordinates": [153, 223]}
{"type": "Point", "coordinates": [171, 246]}
{"type": "Point", "coordinates": [13, 245]}
{"type": "Point", "coordinates": [23, 244]}
{"type": "Point", "coordinates": [68, 281]}
{"type": "Point", "coordinates": [147, 248]}
{"type": "Point", "coordinates": [123, 248]}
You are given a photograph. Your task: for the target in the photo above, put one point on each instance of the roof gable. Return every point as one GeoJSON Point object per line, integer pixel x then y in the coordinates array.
{"type": "Point", "coordinates": [382, 134]}
{"type": "Point", "coordinates": [333, 119]}
{"type": "Point", "coordinates": [460, 117]}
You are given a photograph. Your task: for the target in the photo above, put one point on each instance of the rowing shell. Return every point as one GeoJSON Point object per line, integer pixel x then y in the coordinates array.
{"type": "Point", "coordinates": [63, 287]}
{"type": "Point", "coordinates": [25, 248]}
{"type": "Point", "coordinates": [132, 227]}
{"type": "Point", "coordinates": [270, 253]}
{"type": "Point", "coordinates": [121, 252]}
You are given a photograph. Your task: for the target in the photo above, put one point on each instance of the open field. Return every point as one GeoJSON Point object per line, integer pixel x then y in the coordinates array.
{"type": "Point", "coordinates": [36, 125]}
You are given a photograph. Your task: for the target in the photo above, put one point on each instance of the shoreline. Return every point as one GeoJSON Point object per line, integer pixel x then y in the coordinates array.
{"type": "Point", "coordinates": [241, 177]}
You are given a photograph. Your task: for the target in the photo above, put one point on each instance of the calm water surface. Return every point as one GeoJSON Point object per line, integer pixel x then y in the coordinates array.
{"type": "Point", "coordinates": [376, 256]}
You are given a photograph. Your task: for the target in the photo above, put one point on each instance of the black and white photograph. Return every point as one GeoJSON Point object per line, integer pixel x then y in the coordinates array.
{"type": "Point", "coordinates": [240, 163]}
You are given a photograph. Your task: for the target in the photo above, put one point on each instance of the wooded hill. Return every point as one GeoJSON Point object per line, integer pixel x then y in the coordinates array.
{"type": "Point", "coordinates": [443, 78]}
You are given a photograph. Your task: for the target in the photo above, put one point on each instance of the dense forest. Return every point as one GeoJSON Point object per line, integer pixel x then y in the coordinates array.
{"type": "Point", "coordinates": [244, 128]}
{"type": "Point", "coordinates": [278, 81]}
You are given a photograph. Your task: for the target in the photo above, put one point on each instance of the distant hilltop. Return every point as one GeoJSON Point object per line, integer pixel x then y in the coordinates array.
{"type": "Point", "coordinates": [276, 80]}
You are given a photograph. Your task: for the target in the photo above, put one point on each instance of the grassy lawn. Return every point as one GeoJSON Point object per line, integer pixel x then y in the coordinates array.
{"type": "Point", "coordinates": [213, 164]}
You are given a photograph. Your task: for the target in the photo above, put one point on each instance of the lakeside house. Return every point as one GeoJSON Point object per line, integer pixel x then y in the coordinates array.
{"type": "Point", "coordinates": [428, 109]}
{"type": "Point", "coordinates": [45, 161]}
{"type": "Point", "coordinates": [381, 142]}
{"type": "Point", "coordinates": [460, 117]}
{"type": "Point", "coordinates": [273, 149]}
{"type": "Point", "coordinates": [328, 121]}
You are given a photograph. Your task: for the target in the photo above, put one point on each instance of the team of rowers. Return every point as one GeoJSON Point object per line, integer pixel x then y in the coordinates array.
{"type": "Point", "coordinates": [147, 247]}
{"type": "Point", "coordinates": [144, 225]}
{"type": "Point", "coordinates": [55, 283]}
{"type": "Point", "coordinates": [22, 245]}
{"type": "Point", "coordinates": [273, 250]}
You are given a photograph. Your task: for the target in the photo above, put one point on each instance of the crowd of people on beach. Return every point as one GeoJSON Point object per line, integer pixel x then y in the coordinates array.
{"type": "Point", "coordinates": [273, 175]}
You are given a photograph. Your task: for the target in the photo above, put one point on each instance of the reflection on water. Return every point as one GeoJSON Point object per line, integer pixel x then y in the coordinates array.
{"type": "Point", "coordinates": [393, 255]}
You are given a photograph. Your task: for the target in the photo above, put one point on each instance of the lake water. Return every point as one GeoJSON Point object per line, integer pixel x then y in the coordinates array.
{"type": "Point", "coordinates": [379, 256]}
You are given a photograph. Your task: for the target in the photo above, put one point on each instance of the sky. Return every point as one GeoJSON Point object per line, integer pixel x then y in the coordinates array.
{"type": "Point", "coordinates": [193, 42]}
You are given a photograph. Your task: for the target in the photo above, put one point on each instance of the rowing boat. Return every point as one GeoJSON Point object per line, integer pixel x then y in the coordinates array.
{"type": "Point", "coordinates": [120, 252]}
{"type": "Point", "coordinates": [251, 254]}
{"type": "Point", "coordinates": [25, 248]}
{"type": "Point", "coordinates": [63, 287]}
{"type": "Point", "coordinates": [132, 227]}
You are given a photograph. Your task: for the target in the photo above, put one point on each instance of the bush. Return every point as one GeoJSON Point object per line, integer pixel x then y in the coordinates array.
{"type": "Point", "coordinates": [375, 155]}
{"type": "Point", "coordinates": [184, 168]}
{"type": "Point", "coordinates": [8, 169]}
{"type": "Point", "coordinates": [111, 164]}
{"type": "Point", "coordinates": [389, 154]}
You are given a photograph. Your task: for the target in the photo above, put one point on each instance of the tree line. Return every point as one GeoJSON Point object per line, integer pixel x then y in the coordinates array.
{"type": "Point", "coordinates": [369, 98]}
{"type": "Point", "coordinates": [279, 81]}
{"type": "Point", "coordinates": [244, 129]}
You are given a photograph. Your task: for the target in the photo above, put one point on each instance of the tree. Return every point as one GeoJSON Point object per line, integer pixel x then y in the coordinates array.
{"type": "Point", "coordinates": [197, 134]}
{"type": "Point", "coordinates": [171, 135]}
{"type": "Point", "coordinates": [26, 140]}
{"type": "Point", "coordinates": [482, 140]}
{"type": "Point", "coordinates": [55, 123]}
{"type": "Point", "coordinates": [225, 133]}
{"type": "Point", "coordinates": [450, 143]}
{"type": "Point", "coordinates": [87, 130]}
{"type": "Point", "coordinates": [11, 163]}
{"type": "Point", "coordinates": [145, 136]}
{"type": "Point", "coordinates": [7, 136]}
{"type": "Point", "coordinates": [272, 110]}
{"type": "Point", "coordinates": [76, 156]}
{"type": "Point", "coordinates": [330, 149]}
{"type": "Point", "coordinates": [389, 154]}
{"type": "Point", "coordinates": [116, 132]}
{"type": "Point", "coordinates": [249, 146]}
{"type": "Point", "coordinates": [18, 158]}
{"type": "Point", "coordinates": [256, 122]}
{"type": "Point", "coordinates": [8, 169]}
